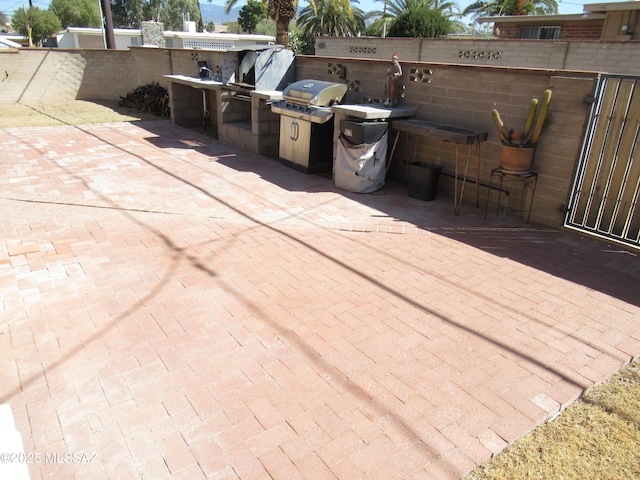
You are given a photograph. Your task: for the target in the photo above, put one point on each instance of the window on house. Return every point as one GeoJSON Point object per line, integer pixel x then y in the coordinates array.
{"type": "Point", "coordinates": [538, 33]}
{"type": "Point", "coordinates": [134, 41]}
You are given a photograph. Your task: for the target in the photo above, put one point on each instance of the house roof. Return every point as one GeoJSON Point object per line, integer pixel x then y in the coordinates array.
{"type": "Point", "coordinates": [7, 43]}
{"type": "Point", "coordinates": [593, 11]}
{"type": "Point", "coordinates": [612, 6]}
{"type": "Point", "coordinates": [542, 18]}
{"type": "Point", "coordinates": [177, 34]}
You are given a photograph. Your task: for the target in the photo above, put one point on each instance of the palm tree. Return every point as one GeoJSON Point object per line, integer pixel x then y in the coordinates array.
{"type": "Point", "coordinates": [492, 8]}
{"type": "Point", "coordinates": [281, 11]}
{"type": "Point", "coordinates": [331, 17]}
{"type": "Point", "coordinates": [394, 8]}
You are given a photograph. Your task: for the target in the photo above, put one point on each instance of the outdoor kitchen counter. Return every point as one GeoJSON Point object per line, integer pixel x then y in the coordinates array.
{"type": "Point", "coordinates": [267, 95]}
{"type": "Point", "coordinates": [192, 101]}
{"type": "Point", "coordinates": [194, 81]}
{"type": "Point", "coordinates": [372, 112]}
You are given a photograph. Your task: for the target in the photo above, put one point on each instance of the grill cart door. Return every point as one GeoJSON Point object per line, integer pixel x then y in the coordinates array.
{"type": "Point", "coordinates": [295, 138]}
{"type": "Point", "coordinates": [307, 146]}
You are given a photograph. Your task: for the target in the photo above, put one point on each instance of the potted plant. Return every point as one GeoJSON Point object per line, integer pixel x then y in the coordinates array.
{"type": "Point", "coordinates": [518, 146]}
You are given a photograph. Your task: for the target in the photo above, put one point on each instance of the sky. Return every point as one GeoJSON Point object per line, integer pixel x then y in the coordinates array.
{"type": "Point", "coordinates": [570, 7]}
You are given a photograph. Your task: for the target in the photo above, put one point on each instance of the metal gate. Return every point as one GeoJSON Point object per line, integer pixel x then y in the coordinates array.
{"type": "Point", "coordinates": [605, 193]}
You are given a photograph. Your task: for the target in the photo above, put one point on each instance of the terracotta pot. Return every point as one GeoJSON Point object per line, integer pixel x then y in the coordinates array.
{"type": "Point", "coordinates": [516, 136]}
{"type": "Point", "coordinates": [516, 159]}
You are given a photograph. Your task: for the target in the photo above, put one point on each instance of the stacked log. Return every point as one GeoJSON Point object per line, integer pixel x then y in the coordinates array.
{"type": "Point", "coordinates": [151, 98]}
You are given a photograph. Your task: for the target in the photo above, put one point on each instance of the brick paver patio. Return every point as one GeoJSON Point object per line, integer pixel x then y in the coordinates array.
{"type": "Point", "coordinates": [175, 308]}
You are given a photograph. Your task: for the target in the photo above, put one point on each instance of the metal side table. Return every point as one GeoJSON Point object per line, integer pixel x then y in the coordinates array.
{"type": "Point", "coordinates": [529, 181]}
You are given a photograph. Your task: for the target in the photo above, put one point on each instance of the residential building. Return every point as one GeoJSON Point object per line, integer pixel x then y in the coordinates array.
{"type": "Point", "coordinates": [600, 21]}
{"type": "Point", "coordinates": [76, 37]}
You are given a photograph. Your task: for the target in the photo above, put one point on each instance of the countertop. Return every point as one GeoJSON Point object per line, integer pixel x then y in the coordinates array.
{"type": "Point", "coordinates": [374, 111]}
{"type": "Point", "coordinates": [194, 81]}
{"type": "Point", "coordinates": [444, 132]}
{"type": "Point", "coordinates": [271, 95]}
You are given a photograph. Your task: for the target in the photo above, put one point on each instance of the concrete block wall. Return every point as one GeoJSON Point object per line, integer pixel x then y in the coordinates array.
{"type": "Point", "coordinates": [464, 96]}
{"type": "Point", "coordinates": [353, 47]}
{"type": "Point", "coordinates": [111, 74]}
{"type": "Point", "coordinates": [600, 56]}
{"type": "Point", "coordinates": [238, 135]}
{"type": "Point", "coordinates": [611, 57]}
{"type": "Point", "coordinates": [55, 75]}
{"type": "Point", "coordinates": [234, 121]}
{"type": "Point", "coordinates": [188, 106]}
{"type": "Point", "coordinates": [265, 127]}
{"type": "Point", "coordinates": [41, 76]}
{"type": "Point", "coordinates": [185, 62]}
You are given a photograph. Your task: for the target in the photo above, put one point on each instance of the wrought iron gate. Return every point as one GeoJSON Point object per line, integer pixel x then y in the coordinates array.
{"type": "Point", "coordinates": [606, 189]}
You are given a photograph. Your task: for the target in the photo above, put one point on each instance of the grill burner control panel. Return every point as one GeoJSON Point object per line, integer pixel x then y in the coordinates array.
{"type": "Point", "coordinates": [302, 112]}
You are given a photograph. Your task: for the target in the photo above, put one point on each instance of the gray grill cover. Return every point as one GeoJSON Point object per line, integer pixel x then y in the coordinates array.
{"type": "Point", "coordinates": [361, 168]}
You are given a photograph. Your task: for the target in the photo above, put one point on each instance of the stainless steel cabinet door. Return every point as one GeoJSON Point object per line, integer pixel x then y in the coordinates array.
{"type": "Point", "coordinates": [295, 138]}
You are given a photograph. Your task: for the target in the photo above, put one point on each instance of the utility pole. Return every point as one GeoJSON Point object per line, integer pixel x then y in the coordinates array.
{"type": "Point", "coordinates": [108, 24]}
{"type": "Point", "coordinates": [27, 26]}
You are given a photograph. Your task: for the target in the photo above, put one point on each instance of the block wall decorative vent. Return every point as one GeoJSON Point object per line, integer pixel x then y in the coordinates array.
{"type": "Point", "coordinates": [420, 75]}
{"type": "Point", "coordinates": [337, 69]}
{"type": "Point", "coordinates": [203, 45]}
{"type": "Point", "coordinates": [481, 55]}
{"type": "Point", "coordinates": [367, 50]}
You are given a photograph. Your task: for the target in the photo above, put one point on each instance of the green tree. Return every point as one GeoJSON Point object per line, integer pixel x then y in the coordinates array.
{"type": "Point", "coordinates": [331, 17]}
{"type": "Point", "coordinates": [173, 12]}
{"type": "Point", "coordinates": [421, 23]}
{"type": "Point", "coordinates": [129, 13]}
{"type": "Point", "coordinates": [266, 26]}
{"type": "Point", "coordinates": [281, 11]}
{"type": "Point", "coordinates": [392, 9]}
{"type": "Point", "coordinates": [494, 8]}
{"type": "Point", "coordinates": [76, 13]}
{"type": "Point", "coordinates": [233, 27]}
{"type": "Point", "coordinates": [301, 44]}
{"type": "Point", "coordinates": [251, 14]}
{"type": "Point", "coordinates": [36, 24]}
{"type": "Point", "coordinates": [4, 21]}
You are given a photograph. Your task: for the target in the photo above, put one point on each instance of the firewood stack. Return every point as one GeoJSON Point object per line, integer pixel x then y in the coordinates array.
{"type": "Point", "coordinates": [151, 98]}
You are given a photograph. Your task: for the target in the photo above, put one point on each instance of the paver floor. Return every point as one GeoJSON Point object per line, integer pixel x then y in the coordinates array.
{"type": "Point", "coordinates": [175, 308]}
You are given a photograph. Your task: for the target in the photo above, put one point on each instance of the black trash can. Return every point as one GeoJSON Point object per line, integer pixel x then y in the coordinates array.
{"type": "Point", "coordinates": [423, 180]}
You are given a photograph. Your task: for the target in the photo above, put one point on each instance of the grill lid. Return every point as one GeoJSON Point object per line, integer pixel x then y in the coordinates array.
{"type": "Point", "coordinates": [314, 93]}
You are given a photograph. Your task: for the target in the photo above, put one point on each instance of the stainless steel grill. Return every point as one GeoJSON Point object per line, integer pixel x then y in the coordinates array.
{"type": "Point", "coordinates": [310, 100]}
{"type": "Point", "coordinates": [306, 124]}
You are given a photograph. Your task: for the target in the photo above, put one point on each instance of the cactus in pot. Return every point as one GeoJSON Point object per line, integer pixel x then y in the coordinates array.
{"type": "Point", "coordinates": [519, 146]}
{"type": "Point", "coordinates": [537, 120]}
